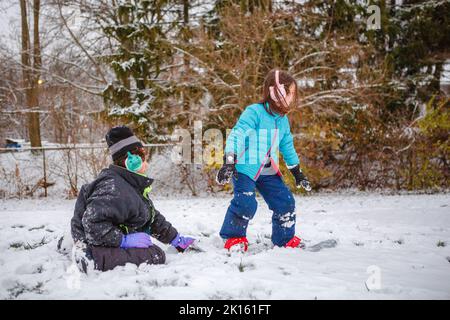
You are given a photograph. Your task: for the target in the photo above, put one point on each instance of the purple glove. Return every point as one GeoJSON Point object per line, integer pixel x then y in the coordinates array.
{"type": "Point", "coordinates": [136, 240]}
{"type": "Point", "coordinates": [182, 243]}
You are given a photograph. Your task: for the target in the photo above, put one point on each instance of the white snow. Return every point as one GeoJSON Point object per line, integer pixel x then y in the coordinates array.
{"type": "Point", "coordinates": [405, 239]}
{"type": "Point", "coordinates": [288, 219]}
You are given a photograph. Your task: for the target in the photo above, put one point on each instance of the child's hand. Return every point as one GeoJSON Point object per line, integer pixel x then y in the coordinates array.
{"type": "Point", "coordinates": [228, 170]}
{"type": "Point", "coordinates": [182, 243]}
{"type": "Point", "coordinates": [300, 179]}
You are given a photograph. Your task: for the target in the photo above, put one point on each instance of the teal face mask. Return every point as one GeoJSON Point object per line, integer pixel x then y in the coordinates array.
{"type": "Point", "coordinates": [133, 162]}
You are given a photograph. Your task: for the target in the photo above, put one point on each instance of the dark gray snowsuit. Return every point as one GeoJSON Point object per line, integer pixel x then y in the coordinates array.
{"type": "Point", "coordinates": [111, 206]}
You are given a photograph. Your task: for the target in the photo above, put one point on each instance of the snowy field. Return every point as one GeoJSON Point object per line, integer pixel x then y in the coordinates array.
{"type": "Point", "coordinates": [404, 240]}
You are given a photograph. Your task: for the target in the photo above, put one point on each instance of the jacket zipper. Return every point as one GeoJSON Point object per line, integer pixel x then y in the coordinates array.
{"type": "Point", "coordinates": [268, 153]}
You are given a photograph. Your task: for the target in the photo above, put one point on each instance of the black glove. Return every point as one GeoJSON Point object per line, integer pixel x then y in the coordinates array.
{"type": "Point", "coordinates": [300, 179]}
{"type": "Point", "coordinates": [228, 169]}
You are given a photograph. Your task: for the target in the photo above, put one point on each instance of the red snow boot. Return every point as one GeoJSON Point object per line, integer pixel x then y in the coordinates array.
{"type": "Point", "coordinates": [294, 242]}
{"type": "Point", "coordinates": [236, 241]}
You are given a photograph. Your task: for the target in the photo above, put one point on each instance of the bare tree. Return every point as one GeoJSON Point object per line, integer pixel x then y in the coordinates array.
{"type": "Point", "coordinates": [31, 64]}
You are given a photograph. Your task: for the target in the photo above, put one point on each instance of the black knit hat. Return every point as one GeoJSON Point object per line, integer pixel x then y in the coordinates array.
{"type": "Point", "coordinates": [120, 140]}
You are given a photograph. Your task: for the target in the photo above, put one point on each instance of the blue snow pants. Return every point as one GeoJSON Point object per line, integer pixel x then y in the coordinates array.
{"type": "Point", "coordinates": [243, 207]}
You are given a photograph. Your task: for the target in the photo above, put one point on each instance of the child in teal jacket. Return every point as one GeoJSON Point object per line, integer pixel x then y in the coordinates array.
{"type": "Point", "coordinates": [251, 161]}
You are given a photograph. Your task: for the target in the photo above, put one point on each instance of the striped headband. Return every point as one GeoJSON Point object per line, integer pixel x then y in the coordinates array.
{"type": "Point", "coordinates": [122, 143]}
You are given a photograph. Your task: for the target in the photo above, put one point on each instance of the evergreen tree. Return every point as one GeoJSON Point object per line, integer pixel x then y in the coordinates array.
{"type": "Point", "coordinates": [138, 30]}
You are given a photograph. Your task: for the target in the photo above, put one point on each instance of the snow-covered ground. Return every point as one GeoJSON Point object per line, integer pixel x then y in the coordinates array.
{"type": "Point", "coordinates": [402, 243]}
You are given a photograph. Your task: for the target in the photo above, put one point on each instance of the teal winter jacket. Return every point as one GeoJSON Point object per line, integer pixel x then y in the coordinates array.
{"type": "Point", "coordinates": [257, 136]}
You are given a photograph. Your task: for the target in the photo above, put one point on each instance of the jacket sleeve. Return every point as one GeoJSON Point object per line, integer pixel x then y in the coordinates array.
{"type": "Point", "coordinates": [103, 214]}
{"type": "Point", "coordinates": [287, 148]}
{"type": "Point", "coordinates": [244, 127]}
{"type": "Point", "coordinates": [161, 229]}
{"type": "Point", "coordinates": [76, 226]}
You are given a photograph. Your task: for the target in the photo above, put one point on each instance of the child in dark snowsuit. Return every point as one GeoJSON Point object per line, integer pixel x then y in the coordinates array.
{"type": "Point", "coordinates": [114, 216]}
{"type": "Point", "coordinates": [251, 161]}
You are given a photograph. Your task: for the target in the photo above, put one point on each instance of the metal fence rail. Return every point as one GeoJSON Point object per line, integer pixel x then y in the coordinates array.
{"type": "Point", "coordinates": [68, 147]}
{"type": "Point", "coordinates": [75, 147]}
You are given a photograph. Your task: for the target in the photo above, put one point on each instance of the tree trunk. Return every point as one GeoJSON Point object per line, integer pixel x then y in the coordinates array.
{"type": "Point", "coordinates": [30, 74]}
{"type": "Point", "coordinates": [186, 59]}
{"type": "Point", "coordinates": [35, 135]}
